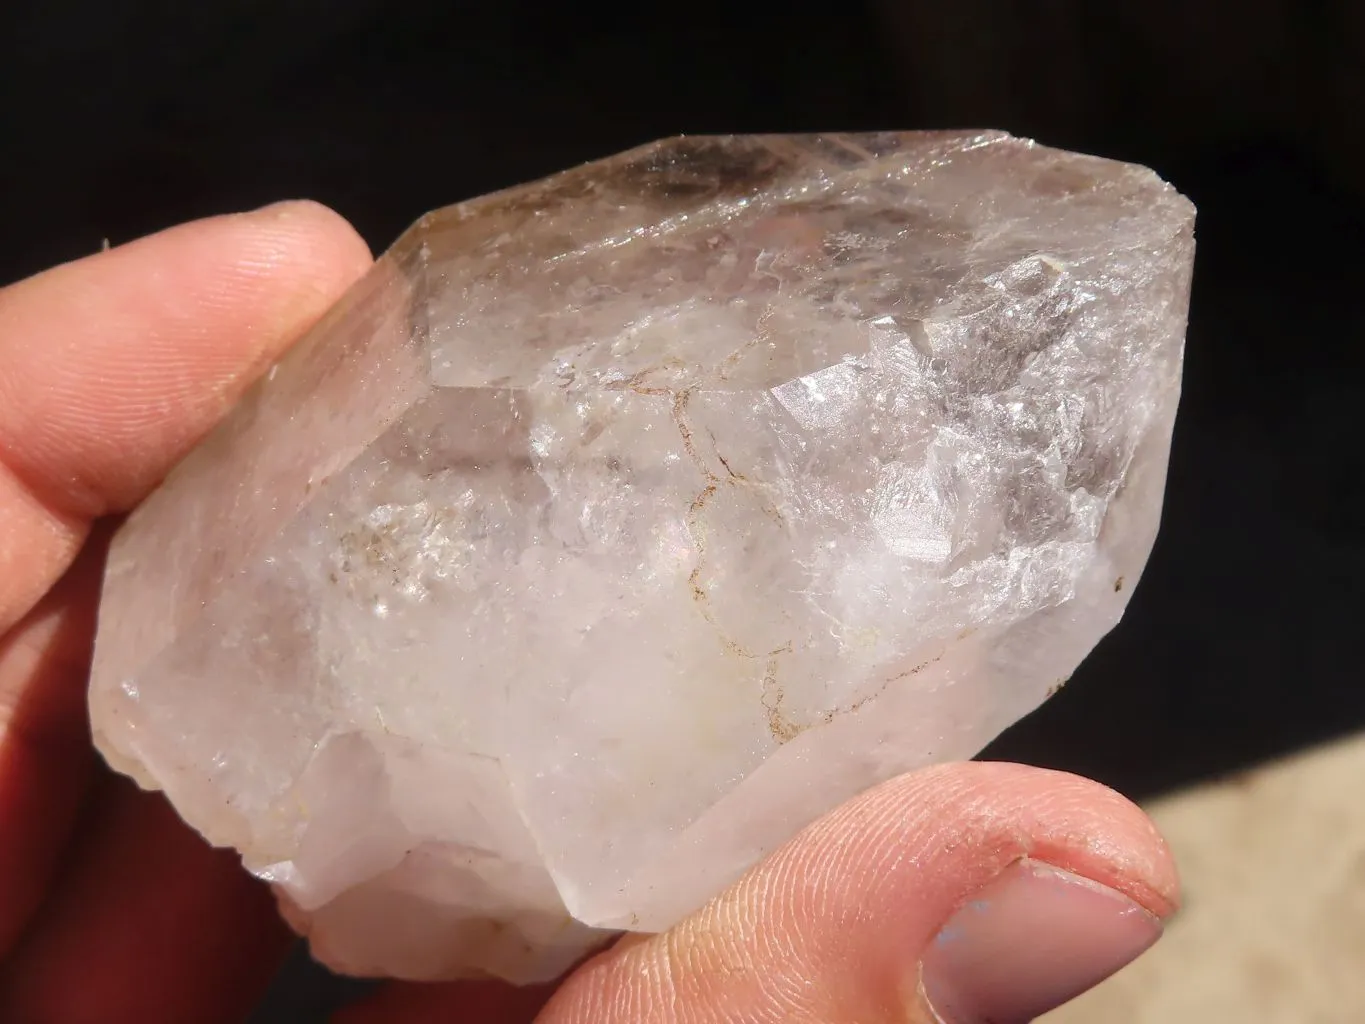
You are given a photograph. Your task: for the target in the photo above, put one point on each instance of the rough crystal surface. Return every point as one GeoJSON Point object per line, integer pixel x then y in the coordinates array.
{"type": "Point", "coordinates": [620, 524]}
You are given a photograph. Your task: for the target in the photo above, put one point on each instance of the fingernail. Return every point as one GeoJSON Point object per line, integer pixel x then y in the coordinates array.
{"type": "Point", "coordinates": [1034, 938]}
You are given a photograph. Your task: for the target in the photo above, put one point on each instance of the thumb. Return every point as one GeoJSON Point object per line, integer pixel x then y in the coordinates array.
{"type": "Point", "coordinates": [962, 894]}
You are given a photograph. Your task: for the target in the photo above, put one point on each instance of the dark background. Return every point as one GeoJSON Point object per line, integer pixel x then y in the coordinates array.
{"type": "Point", "coordinates": [118, 118]}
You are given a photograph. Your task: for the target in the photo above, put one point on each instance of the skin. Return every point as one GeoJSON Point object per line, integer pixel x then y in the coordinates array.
{"type": "Point", "coordinates": [112, 910]}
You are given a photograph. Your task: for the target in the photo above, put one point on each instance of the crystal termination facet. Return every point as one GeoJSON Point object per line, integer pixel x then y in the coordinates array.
{"type": "Point", "coordinates": [618, 525]}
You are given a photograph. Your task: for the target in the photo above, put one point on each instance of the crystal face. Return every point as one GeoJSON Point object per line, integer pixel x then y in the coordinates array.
{"type": "Point", "coordinates": [618, 525]}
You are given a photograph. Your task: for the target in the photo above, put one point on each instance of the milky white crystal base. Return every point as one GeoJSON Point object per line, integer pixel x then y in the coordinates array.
{"type": "Point", "coordinates": [617, 526]}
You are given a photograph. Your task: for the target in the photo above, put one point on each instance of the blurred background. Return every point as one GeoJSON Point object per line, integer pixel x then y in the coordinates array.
{"type": "Point", "coordinates": [1229, 698]}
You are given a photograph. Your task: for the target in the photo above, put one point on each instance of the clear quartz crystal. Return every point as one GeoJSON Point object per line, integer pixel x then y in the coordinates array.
{"type": "Point", "coordinates": [618, 525]}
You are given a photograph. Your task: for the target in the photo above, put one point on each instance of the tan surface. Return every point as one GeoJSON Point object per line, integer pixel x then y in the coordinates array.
{"type": "Point", "coordinates": [1273, 930]}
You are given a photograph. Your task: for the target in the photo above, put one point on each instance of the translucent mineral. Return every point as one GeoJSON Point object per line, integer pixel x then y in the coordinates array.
{"type": "Point", "coordinates": [618, 525]}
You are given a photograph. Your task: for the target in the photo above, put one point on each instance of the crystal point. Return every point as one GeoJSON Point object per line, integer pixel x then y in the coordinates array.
{"type": "Point", "coordinates": [618, 525]}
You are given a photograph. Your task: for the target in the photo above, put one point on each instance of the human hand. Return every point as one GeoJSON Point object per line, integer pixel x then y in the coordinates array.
{"type": "Point", "coordinates": [993, 892]}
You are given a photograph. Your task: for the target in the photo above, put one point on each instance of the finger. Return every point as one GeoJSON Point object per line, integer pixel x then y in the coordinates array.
{"type": "Point", "coordinates": [146, 924]}
{"type": "Point", "coordinates": [456, 1002]}
{"type": "Point", "coordinates": [45, 755]}
{"type": "Point", "coordinates": [36, 544]}
{"type": "Point", "coordinates": [113, 366]}
{"type": "Point", "coordinates": [965, 894]}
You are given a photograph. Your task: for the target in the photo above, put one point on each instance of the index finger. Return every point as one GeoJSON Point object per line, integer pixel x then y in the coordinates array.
{"type": "Point", "coordinates": [112, 367]}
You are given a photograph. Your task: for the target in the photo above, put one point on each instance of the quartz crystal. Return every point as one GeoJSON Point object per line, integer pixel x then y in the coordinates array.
{"type": "Point", "coordinates": [618, 525]}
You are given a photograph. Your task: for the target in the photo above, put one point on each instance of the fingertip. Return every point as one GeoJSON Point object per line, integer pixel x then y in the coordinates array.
{"type": "Point", "coordinates": [112, 367]}
{"type": "Point", "coordinates": [318, 231]}
{"type": "Point", "coordinates": [277, 271]}
{"type": "Point", "coordinates": [834, 925]}
{"type": "Point", "coordinates": [36, 545]}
